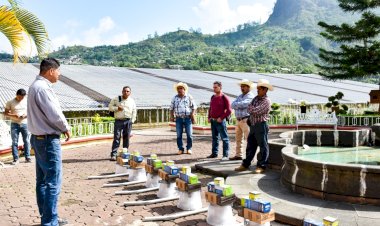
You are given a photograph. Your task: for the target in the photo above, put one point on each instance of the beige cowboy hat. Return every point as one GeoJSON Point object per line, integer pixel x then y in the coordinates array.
{"type": "Point", "coordinates": [265, 83]}
{"type": "Point", "coordinates": [180, 84]}
{"type": "Point", "coordinates": [247, 83]}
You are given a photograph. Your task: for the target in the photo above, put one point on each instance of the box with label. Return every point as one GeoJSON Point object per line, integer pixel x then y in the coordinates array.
{"type": "Point", "coordinates": [186, 169]}
{"type": "Point", "coordinates": [184, 177]}
{"type": "Point", "coordinates": [170, 163]}
{"type": "Point", "coordinates": [138, 158]}
{"type": "Point", "coordinates": [258, 205]}
{"type": "Point", "coordinates": [136, 153]}
{"type": "Point", "coordinates": [211, 187]}
{"type": "Point", "coordinates": [330, 221]}
{"type": "Point", "coordinates": [125, 155]}
{"type": "Point", "coordinates": [193, 178]}
{"type": "Point", "coordinates": [157, 163]}
{"type": "Point", "coordinates": [131, 157]}
{"type": "Point", "coordinates": [311, 222]}
{"type": "Point", "coordinates": [227, 190]}
{"type": "Point", "coordinates": [258, 217]}
{"type": "Point", "coordinates": [136, 165]}
{"type": "Point", "coordinates": [254, 195]}
{"type": "Point", "coordinates": [153, 156]}
{"type": "Point", "coordinates": [218, 181]}
{"type": "Point", "coordinates": [180, 184]}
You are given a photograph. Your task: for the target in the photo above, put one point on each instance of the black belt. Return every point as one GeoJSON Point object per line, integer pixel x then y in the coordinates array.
{"type": "Point", "coordinates": [182, 116]}
{"type": "Point", "coordinates": [239, 119]}
{"type": "Point", "coordinates": [125, 119]}
{"type": "Point", "coordinates": [46, 136]}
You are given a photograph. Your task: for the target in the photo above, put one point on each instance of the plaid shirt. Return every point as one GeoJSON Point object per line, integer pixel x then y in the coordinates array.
{"type": "Point", "coordinates": [182, 107]}
{"type": "Point", "coordinates": [259, 109]}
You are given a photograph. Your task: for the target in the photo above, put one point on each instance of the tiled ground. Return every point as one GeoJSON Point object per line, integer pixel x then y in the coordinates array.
{"type": "Point", "coordinates": [85, 202]}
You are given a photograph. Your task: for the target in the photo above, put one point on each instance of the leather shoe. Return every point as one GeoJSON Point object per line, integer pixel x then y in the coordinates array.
{"type": "Point", "coordinates": [259, 170]}
{"type": "Point", "coordinates": [212, 156]}
{"type": "Point", "coordinates": [241, 168]}
{"type": "Point", "coordinates": [236, 158]}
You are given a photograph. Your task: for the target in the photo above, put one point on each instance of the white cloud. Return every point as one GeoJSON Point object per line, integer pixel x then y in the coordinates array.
{"type": "Point", "coordinates": [105, 33]}
{"type": "Point", "coordinates": [218, 16]}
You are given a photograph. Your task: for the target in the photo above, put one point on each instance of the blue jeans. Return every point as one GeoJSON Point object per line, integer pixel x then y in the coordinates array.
{"type": "Point", "coordinates": [219, 130]}
{"type": "Point", "coordinates": [16, 129]}
{"type": "Point", "coordinates": [258, 137]}
{"type": "Point", "coordinates": [179, 124]}
{"type": "Point", "coordinates": [49, 176]}
{"type": "Point", "coordinates": [121, 127]}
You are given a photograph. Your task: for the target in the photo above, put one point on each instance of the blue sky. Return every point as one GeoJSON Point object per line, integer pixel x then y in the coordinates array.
{"type": "Point", "coordinates": [117, 22]}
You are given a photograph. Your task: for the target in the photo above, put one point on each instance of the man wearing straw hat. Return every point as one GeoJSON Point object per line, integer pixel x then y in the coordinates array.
{"type": "Point", "coordinates": [240, 105]}
{"type": "Point", "coordinates": [182, 110]}
{"type": "Point", "coordinates": [258, 136]}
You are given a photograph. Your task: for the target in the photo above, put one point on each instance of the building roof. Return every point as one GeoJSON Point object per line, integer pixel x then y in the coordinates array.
{"type": "Point", "coordinates": [85, 87]}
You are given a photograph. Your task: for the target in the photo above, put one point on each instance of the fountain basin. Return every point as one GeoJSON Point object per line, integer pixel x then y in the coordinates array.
{"type": "Point", "coordinates": [326, 178]}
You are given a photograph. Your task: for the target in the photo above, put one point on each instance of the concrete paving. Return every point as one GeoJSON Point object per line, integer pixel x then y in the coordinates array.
{"type": "Point", "coordinates": [290, 208]}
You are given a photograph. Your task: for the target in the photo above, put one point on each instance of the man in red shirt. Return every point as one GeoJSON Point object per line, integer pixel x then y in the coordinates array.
{"type": "Point", "coordinates": [220, 109]}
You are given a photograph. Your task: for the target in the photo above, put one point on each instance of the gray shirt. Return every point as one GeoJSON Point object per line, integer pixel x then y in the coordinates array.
{"type": "Point", "coordinates": [240, 104]}
{"type": "Point", "coordinates": [45, 115]}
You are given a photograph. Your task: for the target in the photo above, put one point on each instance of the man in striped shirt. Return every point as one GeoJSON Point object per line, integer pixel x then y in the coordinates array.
{"type": "Point", "coordinates": [258, 135]}
{"type": "Point", "coordinates": [182, 110]}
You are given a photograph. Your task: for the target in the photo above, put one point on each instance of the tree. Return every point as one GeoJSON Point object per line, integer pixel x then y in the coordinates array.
{"type": "Point", "coordinates": [21, 27]}
{"type": "Point", "coordinates": [359, 54]}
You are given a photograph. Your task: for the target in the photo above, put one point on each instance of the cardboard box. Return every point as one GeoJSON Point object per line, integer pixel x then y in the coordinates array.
{"type": "Point", "coordinates": [258, 217]}
{"type": "Point", "coordinates": [211, 197]}
{"type": "Point", "coordinates": [180, 184]}
{"type": "Point", "coordinates": [193, 178]}
{"type": "Point", "coordinates": [218, 181]}
{"type": "Point", "coordinates": [254, 195]}
{"type": "Point", "coordinates": [125, 155]}
{"type": "Point", "coordinates": [258, 205]}
{"type": "Point", "coordinates": [136, 165]}
{"type": "Point", "coordinates": [170, 163]}
{"type": "Point", "coordinates": [136, 153]}
{"type": "Point", "coordinates": [167, 177]}
{"type": "Point", "coordinates": [184, 177]}
{"type": "Point", "coordinates": [121, 161]}
{"type": "Point", "coordinates": [186, 169]}
{"type": "Point", "coordinates": [138, 158]}
{"type": "Point", "coordinates": [311, 222]}
{"type": "Point", "coordinates": [227, 190]}
{"type": "Point", "coordinates": [330, 221]}
{"type": "Point", "coordinates": [211, 187]}
{"type": "Point", "coordinates": [149, 169]}
{"type": "Point", "coordinates": [157, 163]}
{"type": "Point", "coordinates": [153, 156]}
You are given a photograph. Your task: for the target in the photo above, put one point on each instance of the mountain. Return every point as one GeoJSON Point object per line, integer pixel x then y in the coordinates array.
{"type": "Point", "coordinates": [287, 42]}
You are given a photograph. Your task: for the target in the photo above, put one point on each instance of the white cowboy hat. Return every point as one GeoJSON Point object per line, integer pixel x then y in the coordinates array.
{"type": "Point", "coordinates": [247, 83]}
{"type": "Point", "coordinates": [180, 84]}
{"type": "Point", "coordinates": [265, 83]}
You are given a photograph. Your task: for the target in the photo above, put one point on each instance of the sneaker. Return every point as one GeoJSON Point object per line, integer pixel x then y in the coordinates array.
{"type": "Point", "coordinates": [180, 152]}
{"type": "Point", "coordinates": [212, 156]}
{"type": "Point", "coordinates": [241, 168]}
{"type": "Point", "coordinates": [113, 158]}
{"type": "Point", "coordinates": [225, 158]}
{"type": "Point", "coordinates": [236, 158]}
{"type": "Point", "coordinates": [259, 170]}
{"type": "Point", "coordinates": [28, 160]}
{"type": "Point", "coordinates": [62, 221]}
{"type": "Point", "coordinates": [15, 162]}
{"type": "Point", "coordinates": [189, 152]}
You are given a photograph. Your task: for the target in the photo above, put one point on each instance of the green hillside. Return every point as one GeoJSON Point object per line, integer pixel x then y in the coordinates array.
{"type": "Point", "coordinates": [287, 42]}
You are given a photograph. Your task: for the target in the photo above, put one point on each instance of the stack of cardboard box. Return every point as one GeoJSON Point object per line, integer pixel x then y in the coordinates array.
{"type": "Point", "coordinates": [153, 164]}
{"type": "Point", "coordinates": [136, 160]}
{"type": "Point", "coordinates": [187, 181]}
{"type": "Point", "coordinates": [219, 193]}
{"type": "Point", "coordinates": [168, 172]}
{"type": "Point", "coordinates": [256, 209]}
{"type": "Point", "coordinates": [327, 221]}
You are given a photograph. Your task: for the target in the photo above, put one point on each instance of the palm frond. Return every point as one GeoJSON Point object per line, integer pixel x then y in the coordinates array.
{"type": "Point", "coordinates": [13, 31]}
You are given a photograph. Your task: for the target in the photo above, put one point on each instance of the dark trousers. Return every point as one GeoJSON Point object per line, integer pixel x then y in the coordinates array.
{"type": "Point", "coordinates": [258, 137]}
{"type": "Point", "coordinates": [121, 127]}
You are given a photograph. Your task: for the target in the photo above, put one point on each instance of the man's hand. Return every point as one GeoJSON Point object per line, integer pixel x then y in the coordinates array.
{"type": "Point", "coordinates": [209, 120]}
{"type": "Point", "coordinates": [219, 120]}
{"type": "Point", "coordinates": [172, 118]}
{"type": "Point", "coordinates": [193, 121]}
{"type": "Point", "coordinates": [120, 108]}
{"type": "Point", "coordinates": [67, 135]}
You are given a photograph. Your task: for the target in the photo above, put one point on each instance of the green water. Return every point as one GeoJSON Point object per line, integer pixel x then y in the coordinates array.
{"type": "Point", "coordinates": [351, 155]}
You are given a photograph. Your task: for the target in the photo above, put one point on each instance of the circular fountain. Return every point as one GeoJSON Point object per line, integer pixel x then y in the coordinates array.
{"type": "Point", "coordinates": [335, 165]}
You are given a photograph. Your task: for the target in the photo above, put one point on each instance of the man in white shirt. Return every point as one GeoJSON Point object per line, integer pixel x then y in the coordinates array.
{"type": "Point", "coordinates": [125, 112]}
{"type": "Point", "coordinates": [15, 109]}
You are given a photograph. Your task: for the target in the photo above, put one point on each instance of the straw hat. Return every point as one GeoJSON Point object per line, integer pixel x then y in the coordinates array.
{"type": "Point", "coordinates": [180, 84]}
{"type": "Point", "coordinates": [247, 83]}
{"type": "Point", "coordinates": [265, 83]}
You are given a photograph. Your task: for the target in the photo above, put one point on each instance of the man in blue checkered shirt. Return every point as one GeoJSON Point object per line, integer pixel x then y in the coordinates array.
{"type": "Point", "coordinates": [182, 110]}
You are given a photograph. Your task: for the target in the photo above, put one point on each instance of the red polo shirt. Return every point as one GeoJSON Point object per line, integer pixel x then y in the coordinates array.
{"type": "Point", "coordinates": [220, 107]}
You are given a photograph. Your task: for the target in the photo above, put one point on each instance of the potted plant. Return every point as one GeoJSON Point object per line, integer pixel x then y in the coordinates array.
{"type": "Point", "coordinates": [275, 109]}
{"type": "Point", "coordinates": [334, 102]}
{"type": "Point", "coordinates": [303, 104]}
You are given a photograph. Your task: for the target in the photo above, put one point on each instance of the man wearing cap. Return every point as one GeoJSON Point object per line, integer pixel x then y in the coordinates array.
{"type": "Point", "coordinates": [15, 109]}
{"type": "Point", "coordinates": [240, 105]}
{"type": "Point", "coordinates": [182, 110]}
{"type": "Point", "coordinates": [258, 136]}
